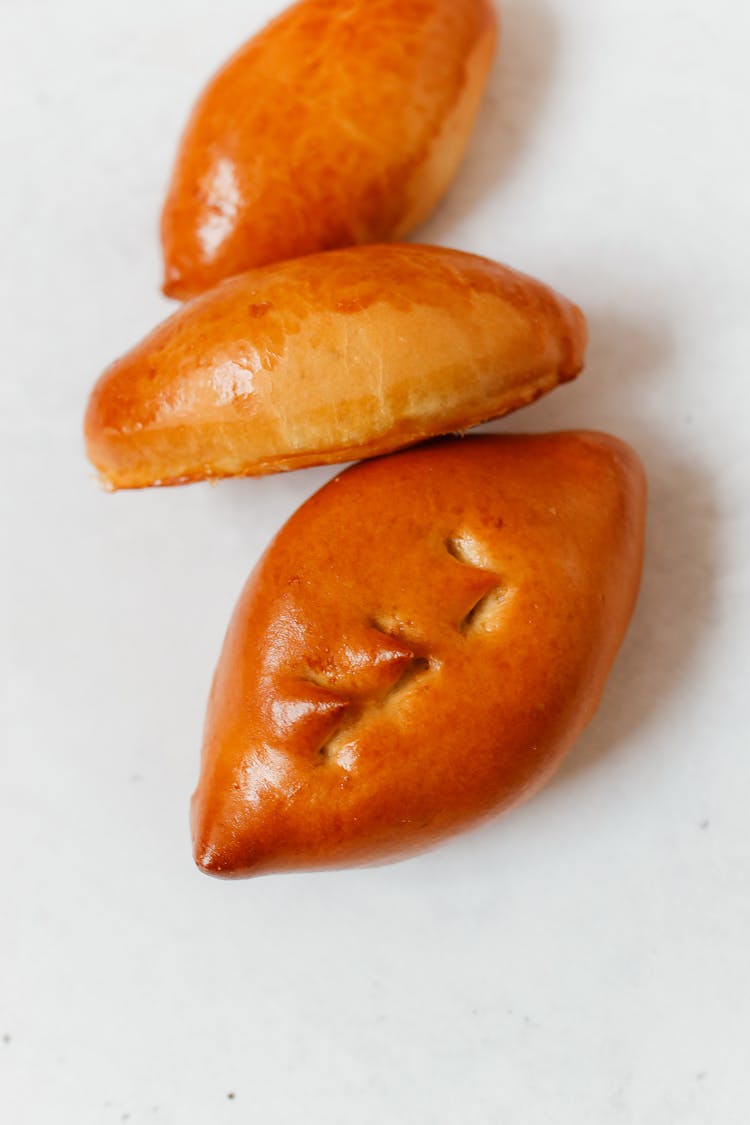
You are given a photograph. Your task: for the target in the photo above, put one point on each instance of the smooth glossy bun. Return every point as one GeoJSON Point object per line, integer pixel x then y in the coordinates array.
{"type": "Point", "coordinates": [341, 123]}
{"type": "Point", "coordinates": [329, 358]}
{"type": "Point", "coordinates": [418, 649]}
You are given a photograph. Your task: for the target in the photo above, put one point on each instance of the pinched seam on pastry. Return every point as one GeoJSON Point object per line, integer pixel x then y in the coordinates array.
{"type": "Point", "coordinates": [411, 664]}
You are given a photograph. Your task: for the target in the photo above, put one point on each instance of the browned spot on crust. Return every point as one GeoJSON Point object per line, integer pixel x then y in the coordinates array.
{"type": "Point", "coordinates": [259, 310]}
{"type": "Point", "coordinates": [354, 304]}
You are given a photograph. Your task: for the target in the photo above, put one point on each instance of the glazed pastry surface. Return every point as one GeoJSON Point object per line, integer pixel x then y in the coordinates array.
{"type": "Point", "coordinates": [326, 359]}
{"type": "Point", "coordinates": [418, 649]}
{"type": "Point", "coordinates": [341, 123]}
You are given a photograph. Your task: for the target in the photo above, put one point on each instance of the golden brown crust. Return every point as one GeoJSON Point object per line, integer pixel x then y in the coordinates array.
{"type": "Point", "coordinates": [326, 359]}
{"type": "Point", "coordinates": [341, 123]}
{"type": "Point", "coordinates": [417, 650]}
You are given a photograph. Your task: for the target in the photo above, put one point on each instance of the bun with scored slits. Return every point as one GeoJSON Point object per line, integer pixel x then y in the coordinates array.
{"type": "Point", "coordinates": [418, 649]}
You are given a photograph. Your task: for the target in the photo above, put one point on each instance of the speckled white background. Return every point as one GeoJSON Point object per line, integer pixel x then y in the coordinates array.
{"type": "Point", "coordinates": [583, 960]}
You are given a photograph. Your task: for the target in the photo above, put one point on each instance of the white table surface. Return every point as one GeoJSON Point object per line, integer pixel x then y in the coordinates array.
{"type": "Point", "coordinates": [586, 958]}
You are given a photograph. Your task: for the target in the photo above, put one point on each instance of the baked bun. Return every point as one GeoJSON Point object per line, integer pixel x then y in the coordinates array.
{"type": "Point", "coordinates": [342, 122]}
{"type": "Point", "coordinates": [327, 359]}
{"type": "Point", "coordinates": [420, 646]}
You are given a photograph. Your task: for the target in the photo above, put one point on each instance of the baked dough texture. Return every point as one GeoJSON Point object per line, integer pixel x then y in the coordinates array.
{"type": "Point", "coordinates": [326, 359]}
{"type": "Point", "coordinates": [418, 649]}
{"type": "Point", "coordinates": [341, 123]}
